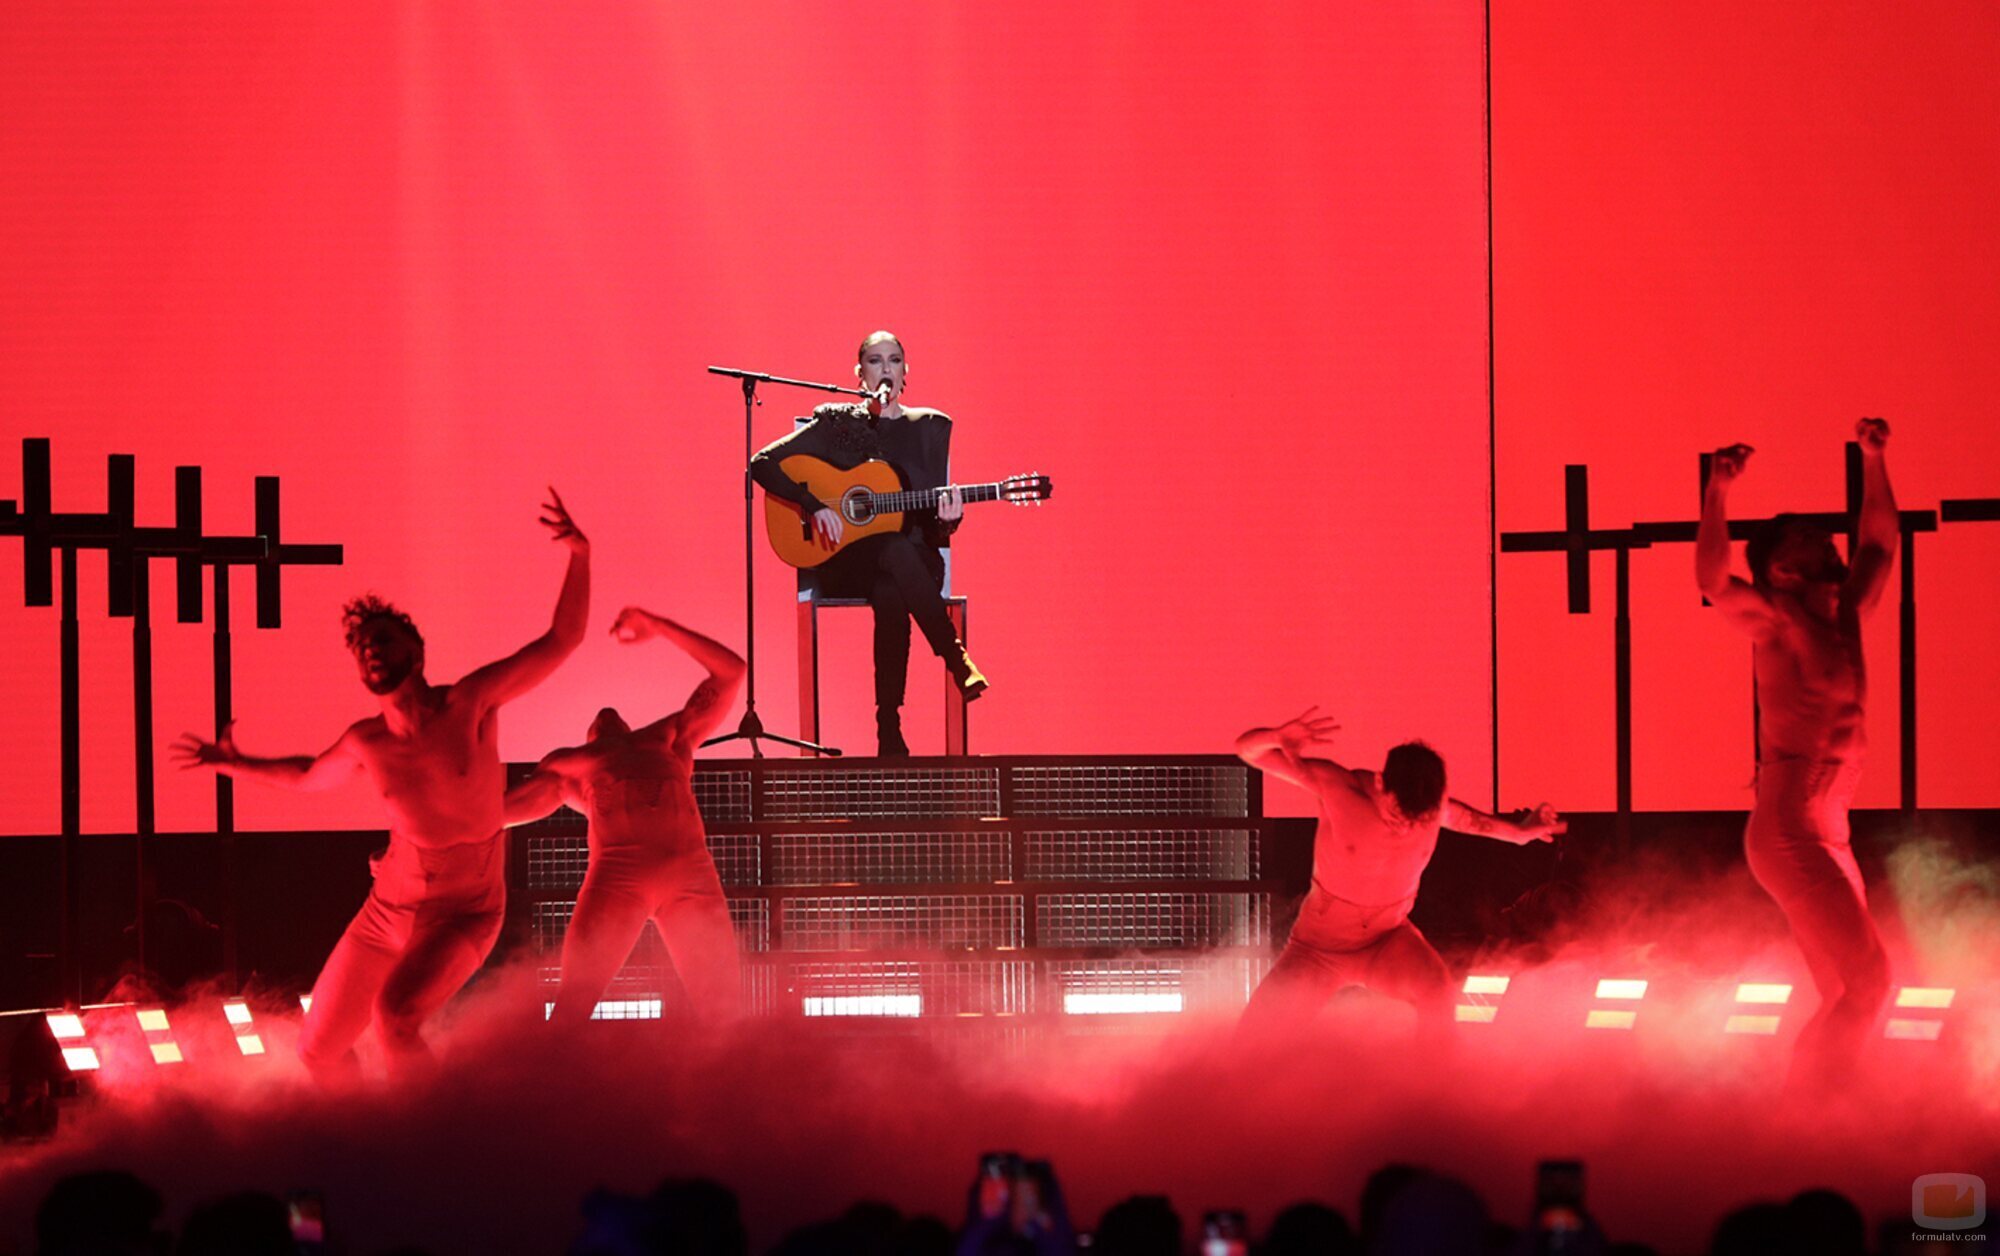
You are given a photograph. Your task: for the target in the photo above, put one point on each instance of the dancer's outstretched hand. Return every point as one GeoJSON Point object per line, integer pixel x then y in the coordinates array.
{"type": "Point", "coordinates": [1728, 462]}
{"type": "Point", "coordinates": [555, 517]}
{"type": "Point", "coordinates": [1873, 435]}
{"type": "Point", "coordinates": [1540, 825]}
{"type": "Point", "coordinates": [1308, 728]}
{"type": "Point", "coordinates": [191, 751]}
{"type": "Point", "coordinates": [633, 625]}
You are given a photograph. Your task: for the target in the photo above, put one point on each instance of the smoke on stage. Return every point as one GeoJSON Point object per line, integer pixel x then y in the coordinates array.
{"type": "Point", "coordinates": [1677, 1122]}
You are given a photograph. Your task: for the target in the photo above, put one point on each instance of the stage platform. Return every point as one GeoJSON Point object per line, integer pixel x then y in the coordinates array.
{"type": "Point", "coordinates": [954, 890]}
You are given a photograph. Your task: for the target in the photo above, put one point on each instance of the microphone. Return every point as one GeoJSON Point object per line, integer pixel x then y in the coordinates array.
{"type": "Point", "coordinates": [883, 391]}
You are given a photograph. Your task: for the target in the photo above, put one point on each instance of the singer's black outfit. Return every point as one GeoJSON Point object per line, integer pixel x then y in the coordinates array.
{"type": "Point", "coordinates": [900, 573]}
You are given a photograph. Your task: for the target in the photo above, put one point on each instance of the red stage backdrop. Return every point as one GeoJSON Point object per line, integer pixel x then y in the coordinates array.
{"type": "Point", "coordinates": [1717, 222]}
{"type": "Point", "coordinates": [1222, 277]}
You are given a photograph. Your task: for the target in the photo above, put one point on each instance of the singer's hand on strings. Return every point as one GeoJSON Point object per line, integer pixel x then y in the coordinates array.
{"type": "Point", "coordinates": [951, 504]}
{"type": "Point", "coordinates": [827, 527]}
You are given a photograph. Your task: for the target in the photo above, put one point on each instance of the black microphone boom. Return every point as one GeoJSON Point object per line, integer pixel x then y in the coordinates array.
{"type": "Point", "coordinates": [750, 728]}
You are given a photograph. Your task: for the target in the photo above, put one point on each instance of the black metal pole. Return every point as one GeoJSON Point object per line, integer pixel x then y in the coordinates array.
{"type": "Point", "coordinates": [1492, 411]}
{"type": "Point", "coordinates": [1623, 686]}
{"type": "Point", "coordinates": [142, 744]}
{"type": "Point", "coordinates": [225, 787]}
{"type": "Point", "coordinates": [69, 963]}
{"type": "Point", "coordinates": [1907, 664]}
{"type": "Point", "coordinates": [749, 571]}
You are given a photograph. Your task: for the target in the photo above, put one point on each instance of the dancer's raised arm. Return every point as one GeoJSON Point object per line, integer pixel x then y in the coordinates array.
{"type": "Point", "coordinates": [1881, 531]}
{"type": "Point", "coordinates": [1280, 751]}
{"type": "Point", "coordinates": [506, 679]}
{"type": "Point", "coordinates": [1743, 603]}
{"type": "Point", "coordinates": [710, 701]}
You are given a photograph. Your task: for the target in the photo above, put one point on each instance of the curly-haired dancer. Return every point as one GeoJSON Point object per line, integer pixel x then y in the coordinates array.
{"type": "Point", "coordinates": [1376, 834]}
{"type": "Point", "coordinates": [1802, 609]}
{"type": "Point", "coordinates": [433, 754]}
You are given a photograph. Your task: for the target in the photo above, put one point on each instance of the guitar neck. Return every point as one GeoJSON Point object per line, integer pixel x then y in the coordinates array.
{"type": "Point", "coordinates": [925, 498]}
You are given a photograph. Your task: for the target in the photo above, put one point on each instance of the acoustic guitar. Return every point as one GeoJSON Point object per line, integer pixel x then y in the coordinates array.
{"type": "Point", "coordinates": [871, 499]}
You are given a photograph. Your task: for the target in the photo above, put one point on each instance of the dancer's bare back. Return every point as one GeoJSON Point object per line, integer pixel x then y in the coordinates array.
{"type": "Point", "coordinates": [1812, 685]}
{"type": "Point", "coordinates": [636, 784]}
{"type": "Point", "coordinates": [1358, 853]}
{"type": "Point", "coordinates": [636, 788]}
{"type": "Point", "coordinates": [1365, 850]}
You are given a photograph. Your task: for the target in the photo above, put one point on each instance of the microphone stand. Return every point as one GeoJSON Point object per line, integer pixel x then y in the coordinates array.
{"type": "Point", "coordinates": [750, 728]}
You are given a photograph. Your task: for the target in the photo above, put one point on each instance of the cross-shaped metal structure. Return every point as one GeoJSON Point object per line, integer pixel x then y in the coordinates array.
{"type": "Point", "coordinates": [130, 550]}
{"type": "Point", "coordinates": [1578, 540]}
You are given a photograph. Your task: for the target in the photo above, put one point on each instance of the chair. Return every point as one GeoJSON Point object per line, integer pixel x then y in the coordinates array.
{"type": "Point", "coordinates": [811, 600]}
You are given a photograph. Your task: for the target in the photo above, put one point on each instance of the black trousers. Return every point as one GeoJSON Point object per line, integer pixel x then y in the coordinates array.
{"type": "Point", "coordinates": [903, 580]}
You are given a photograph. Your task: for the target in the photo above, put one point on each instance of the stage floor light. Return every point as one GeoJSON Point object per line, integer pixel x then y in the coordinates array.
{"type": "Point", "coordinates": [158, 1031]}
{"type": "Point", "coordinates": [1925, 996]}
{"type": "Point", "coordinates": [617, 1009]}
{"type": "Point", "coordinates": [1913, 1030]}
{"type": "Point", "coordinates": [1081, 1003]}
{"type": "Point", "coordinates": [237, 1013]}
{"type": "Point", "coordinates": [864, 1005]}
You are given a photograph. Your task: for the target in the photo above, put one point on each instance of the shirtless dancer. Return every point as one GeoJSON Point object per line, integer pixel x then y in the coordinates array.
{"type": "Point", "coordinates": [1376, 834]}
{"type": "Point", "coordinates": [648, 854]}
{"type": "Point", "coordinates": [433, 754]}
{"type": "Point", "coordinates": [1803, 610]}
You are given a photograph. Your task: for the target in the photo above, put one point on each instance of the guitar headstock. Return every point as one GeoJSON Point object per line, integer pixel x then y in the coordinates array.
{"type": "Point", "coordinates": [1033, 488]}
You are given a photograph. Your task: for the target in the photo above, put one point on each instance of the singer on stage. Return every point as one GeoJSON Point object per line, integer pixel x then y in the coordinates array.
{"type": "Point", "coordinates": [900, 573]}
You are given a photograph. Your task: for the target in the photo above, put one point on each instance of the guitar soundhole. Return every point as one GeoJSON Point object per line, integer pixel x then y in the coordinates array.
{"type": "Point", "coordinates": [857, 505]}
